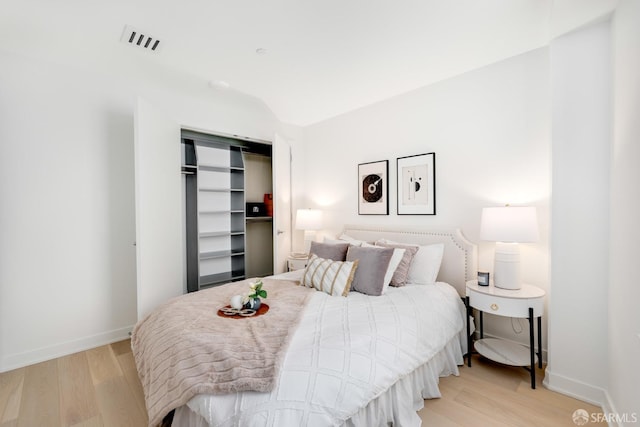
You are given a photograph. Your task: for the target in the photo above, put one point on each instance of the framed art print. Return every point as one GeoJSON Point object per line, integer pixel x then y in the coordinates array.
{"type": "Point", "coordinates": [417, 184]}
{"type": "Point", "coordinates": [373, 188]}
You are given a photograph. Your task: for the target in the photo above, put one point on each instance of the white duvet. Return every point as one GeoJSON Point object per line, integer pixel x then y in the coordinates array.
{"type": "Point", "coordinates": [345, 353]}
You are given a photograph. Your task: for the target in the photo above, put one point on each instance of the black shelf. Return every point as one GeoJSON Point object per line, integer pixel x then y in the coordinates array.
{"type": "Point", "coordinates": [220, 254]}
{"type": "Point", "coordinates": [221, 278]}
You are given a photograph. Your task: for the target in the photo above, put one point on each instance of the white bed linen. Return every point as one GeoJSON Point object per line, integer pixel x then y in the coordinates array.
{"type": "Point", "coordinates": [337, 371]}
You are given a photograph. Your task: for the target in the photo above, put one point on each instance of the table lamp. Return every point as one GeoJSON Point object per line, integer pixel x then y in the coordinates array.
{"type": "Point", "coordinates": [309, 220]}
{"type": "Point", "coordinates": [508, 226]}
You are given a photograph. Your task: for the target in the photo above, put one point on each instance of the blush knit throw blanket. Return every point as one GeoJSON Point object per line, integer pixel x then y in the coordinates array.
{"type": "Point", "coordinates": [184, 348]}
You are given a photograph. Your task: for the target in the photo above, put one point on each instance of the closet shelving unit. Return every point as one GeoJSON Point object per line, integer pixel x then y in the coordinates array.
{"type": "Point", "coordinates": [215, 221]}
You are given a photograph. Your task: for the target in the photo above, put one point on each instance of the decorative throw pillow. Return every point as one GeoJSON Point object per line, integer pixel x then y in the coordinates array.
{"type": "Point", "coordinates": [402, 271]}
{"type": "Point", "coordinates": [398, 255]}
{"type": "Point", "coordinates": [426, 264]}
{"type": "Point", "coordinates": [334, 251]}
{"type": "Point", "coordinates": [329, 276]}
{"type": "Point", "coordinates": [372, 268]}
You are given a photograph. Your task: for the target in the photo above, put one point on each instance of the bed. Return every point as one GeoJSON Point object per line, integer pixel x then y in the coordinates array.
{"type": "Point", "coordinates": [359, 360]}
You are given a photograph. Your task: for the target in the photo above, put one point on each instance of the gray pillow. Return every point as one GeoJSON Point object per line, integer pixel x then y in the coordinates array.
{"type": "Point", "coordinates": [372, 267]}
{"type": "Point", "coordinates": [332, 251]}
{"type": "Point", "coordinates": [402, 272]}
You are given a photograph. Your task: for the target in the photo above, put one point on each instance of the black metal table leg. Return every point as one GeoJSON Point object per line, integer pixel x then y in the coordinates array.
{"type": "Point", "coordinates": [532, 349]}
{"type": "Point", "coordinates": [468, 305]}
{"type": "Point", "coordinates": [540, 342]}
{"type": "Point", "coordinates": [481, 324]}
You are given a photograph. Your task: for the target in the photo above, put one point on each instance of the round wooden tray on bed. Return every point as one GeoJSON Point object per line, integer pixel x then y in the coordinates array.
{"type": "Point", "coordinates": [262, 310]}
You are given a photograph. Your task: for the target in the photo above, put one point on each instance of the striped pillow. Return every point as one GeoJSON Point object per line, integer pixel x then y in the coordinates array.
{"type": "Point", "coordinates": [331, 277]}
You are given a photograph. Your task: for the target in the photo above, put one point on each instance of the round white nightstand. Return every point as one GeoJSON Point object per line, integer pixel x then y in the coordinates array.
{"type": "Point", "coordinates": [527, 302]}
{"type": "Point", "coordinates": [296, 263]}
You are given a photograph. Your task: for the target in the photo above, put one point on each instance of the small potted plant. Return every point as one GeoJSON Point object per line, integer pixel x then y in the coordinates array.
{"type": "Point", "coordinates": [252, 299]}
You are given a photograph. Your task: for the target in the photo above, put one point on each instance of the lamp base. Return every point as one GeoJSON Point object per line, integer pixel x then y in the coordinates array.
{"type": "Point", "coordinates": [309, 236]}
{"type": "Point", "coordinates": [506, 271]}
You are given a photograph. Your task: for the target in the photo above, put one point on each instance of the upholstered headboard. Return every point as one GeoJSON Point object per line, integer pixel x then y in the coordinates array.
{"type": "Point", "coordinates": [460, 260]}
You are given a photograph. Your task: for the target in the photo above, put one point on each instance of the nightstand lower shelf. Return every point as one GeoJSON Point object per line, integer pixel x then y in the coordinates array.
{"type": "Point", "coordinates": [505, 352]}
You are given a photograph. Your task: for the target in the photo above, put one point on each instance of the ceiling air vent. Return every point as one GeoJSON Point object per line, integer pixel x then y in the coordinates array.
{"type": "Point", "coordinates": [140, 39]}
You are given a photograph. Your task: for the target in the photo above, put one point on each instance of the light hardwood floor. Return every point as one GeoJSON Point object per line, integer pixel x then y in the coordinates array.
{"type": "Point", "coordinates": [494, 395]}
{"type": "Point", "coordinates": [97, 387]}
{"type": "Point", "coordinates": [100, 387]}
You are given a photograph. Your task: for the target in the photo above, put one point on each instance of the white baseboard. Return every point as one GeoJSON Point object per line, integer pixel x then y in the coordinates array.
{"type": "Point", "coordinates": [576, 389]}
{"type": "Point", "coordinates": [19, 360]}
{"type": "Point", "coordinates": [608, 408]}
{"type": "Point", "coordinates": [585, 392]}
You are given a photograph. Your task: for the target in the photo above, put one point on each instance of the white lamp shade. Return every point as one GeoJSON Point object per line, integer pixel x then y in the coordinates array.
{"type": "Point", "coordinates": [509, 224]}
{"type": "Point", "coordinates": [308, 219]}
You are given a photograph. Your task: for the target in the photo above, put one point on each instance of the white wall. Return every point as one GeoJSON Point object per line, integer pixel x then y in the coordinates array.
{"type": "Point", "coordinates": [568, 15]}
{"type": "Point", "coordinates": [581, 75]}
{"type": "Point", "coordinates": [490, 130]}
{"type": "Point", "coordinates": [624, 292]}
{"type": "Point", "coordinates": [67, 261]}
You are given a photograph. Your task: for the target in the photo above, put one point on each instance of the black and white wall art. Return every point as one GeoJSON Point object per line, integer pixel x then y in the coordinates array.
{"type": "Point", "coordinates": [373, 188]}
{"type": "Point", "coordinates": [417, 184]}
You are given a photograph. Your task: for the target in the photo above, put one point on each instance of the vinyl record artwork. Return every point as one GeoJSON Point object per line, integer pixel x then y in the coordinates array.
{"type": "Point", "coordinates": [373, 188]}
{"type": "Point", "coordinates": [417, 184]}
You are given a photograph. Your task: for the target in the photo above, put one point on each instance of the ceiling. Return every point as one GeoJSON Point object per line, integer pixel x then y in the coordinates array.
{"type": "Point", "coordinates": [321, 57]}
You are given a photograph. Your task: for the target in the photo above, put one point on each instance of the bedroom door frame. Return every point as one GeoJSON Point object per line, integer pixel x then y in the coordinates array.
{"type": "Point", "coordinates": [282, 193]}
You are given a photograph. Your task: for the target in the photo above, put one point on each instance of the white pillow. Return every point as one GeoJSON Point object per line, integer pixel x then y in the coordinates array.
{"type": "Point", "coordinates": [393, 265]}
{"type": "Point", "coordinates": [344, 238]}
{"type": "Point", "coordinates": [333, 241]}
{"type": "Point", "coordinates": [331, 277]}
{"type": "Point", "coordinates": [351, 240]}
{"type": "Point", "coordinates": [394, 262]}
{"type": "Point", "coordinates": [426, 264]}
